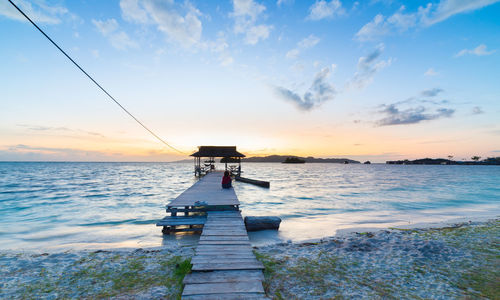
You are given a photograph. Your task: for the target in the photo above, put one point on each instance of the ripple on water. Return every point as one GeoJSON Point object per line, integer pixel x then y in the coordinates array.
{"type": "Point", "coordinates": [99, 200]}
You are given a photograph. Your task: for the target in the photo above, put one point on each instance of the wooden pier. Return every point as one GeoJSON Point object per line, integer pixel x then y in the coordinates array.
{"type": "Point", "coordinates": [224, 266]}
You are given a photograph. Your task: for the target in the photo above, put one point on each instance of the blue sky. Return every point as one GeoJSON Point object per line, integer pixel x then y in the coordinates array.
{"type": "Point", "coordinates": [365, 79]}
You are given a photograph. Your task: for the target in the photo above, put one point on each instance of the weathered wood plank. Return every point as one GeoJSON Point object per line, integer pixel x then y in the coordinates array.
{"type": "Point", "coordinates": [224, 255]}
{"type": "Point", "coordinates": [183, 221]}
{"type": "Point", "coordinates": [226, 220]}
{"type": "Point", "coordinates": [222, 213]}
{"type": "Point", "coordinates": [222, 260]}
{"type": "Point", "coordinates": [223, 248]}
{"type": "Point", "coordinates": [223, 276]}
{"type": "Point", "coordinates": [224, 238]}
{"type": "Point", "coordinates": [223, 288]}
{"type": "Point", "coordinates": [211, 228]}
{"type": "Point", "coordinates": [232, 296]}
{"type": "Point", "coordinates": [226, 224]}
{"type": "Point", "coordinates": [209, 231]}
{"type": "Point", "coordinates": [224, 243]}
{"type": "Point", "coordinates": [214, 229]}
{"type": "Point", "coordinates": [233, 252]}
{"type": "Point", "coordinates": [224, 266]}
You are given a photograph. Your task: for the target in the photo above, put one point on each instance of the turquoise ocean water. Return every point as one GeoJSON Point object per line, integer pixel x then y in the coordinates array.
{"type": "Point", "coordinates": [59, 206]}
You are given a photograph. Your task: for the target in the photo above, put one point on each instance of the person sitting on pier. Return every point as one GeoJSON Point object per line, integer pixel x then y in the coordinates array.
{"type": "Point", "coordinates": [226, 180]}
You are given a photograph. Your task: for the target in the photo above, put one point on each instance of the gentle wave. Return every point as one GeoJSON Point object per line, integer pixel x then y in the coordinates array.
{"type": "Point", "coordinates": [46, 205]}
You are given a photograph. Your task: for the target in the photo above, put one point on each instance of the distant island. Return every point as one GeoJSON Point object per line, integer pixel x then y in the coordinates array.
{"type": "Point", "coordinates": [293, 160]}
{"type": "Point", "coordinates": [442, 161]}
{"type": "Point", "coordinates": [309, 159]}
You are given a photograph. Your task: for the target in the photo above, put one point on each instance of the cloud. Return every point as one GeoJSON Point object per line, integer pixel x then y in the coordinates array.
{"type": "Point", "coordinates": [425, 16]}
{"type": "Point", "coordinates": [431, 72]}
{"type": "Point", "coordinates": [245, 14]}
{"type": "Point", "coordinates": [34, 153]}
{"type": "Point", "coordinates": [476, 110]}
{"type": "Point", "coordinates": [53, 129]}
{"type": "Point", "coordinates": [281, 2]}
{"type": "Point", "coordinates": [368, 66]}
{"type": "Point", "coordinates": [220, 47]}
{"type": "Point", "coordinates": [323, 9]}
{"type": "Point", "coordinates": [319, 92]}
{"type": "Point", "coordinates": [432, 92]}
{"type": "Point", "coordinates": [110, 29]}
{"type": "Point", "coordinates": [478, 51]}
{"type": "Point", "coordinates": [396, 116]}
{"type": "Point", "coordinates": [304, 44]}
{"type": "Point", "coordinates": [448, 8]}
{"type": "Point", "coordinates": [412, 110]}
{"type": "Point", "coordinates": [381, 26]}
{"type": "Point", "coordinates": [181, 28]}
{"type": "Point", "coordinates": [38, 11]}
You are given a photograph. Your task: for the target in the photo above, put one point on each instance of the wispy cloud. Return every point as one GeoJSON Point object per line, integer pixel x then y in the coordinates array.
{"type": "Point", "coordinates": [245, 14]}
{"type": "Point", "coordinates": [431, 72]}
{"type": "Point", "coordinates": [448, 8]}
{"type": "Point", "coordinates": [425, 16]}
{"type": "Point", "coordinates": [480, 50]}
{"type": "Point", "coordinates": [381, 26]}
{"type": "Point", "coordinates": [304, 44]}
{"type": "Point", "coordinates": [282, 2]}
{"type": "Point", "coordinates": [368, 66]}
{"type": "Point", "coordinates": [476, 110]}
{"type": "Point", "coordinates": [319, 92]}
{"type": "Point", "coordinates": [118, 38]}
{"type": "Point", "coordinates": [412, 110]}
{"type": "Point", "coordinates": [323, 10]}
{"type": "Point", "coordinates": [53, 129]}
{"type": "Point", "coordinates": [396, 116]}
{"type": "Point", "coordinates": [39, 11]}
{"type": "Point", "coordinates": [183, 28]}
{"type": "Point", "coordinates": [220, 47]}
{"type": "Point", "coordinates": [431, 92]}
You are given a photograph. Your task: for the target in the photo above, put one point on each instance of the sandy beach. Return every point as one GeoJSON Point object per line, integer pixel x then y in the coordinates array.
{"type": "Point", "coordinates": [455, 261]}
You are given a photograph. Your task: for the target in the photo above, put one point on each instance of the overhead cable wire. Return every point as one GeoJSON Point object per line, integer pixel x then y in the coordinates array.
{"type": "Point", "coordinates": [94, 81]}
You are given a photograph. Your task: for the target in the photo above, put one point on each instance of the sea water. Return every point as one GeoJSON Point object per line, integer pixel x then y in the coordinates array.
{"type": "Point", "coordinates": [59, 206]}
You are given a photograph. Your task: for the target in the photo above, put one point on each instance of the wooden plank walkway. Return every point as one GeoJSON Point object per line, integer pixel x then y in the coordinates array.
{"type": "Point", "coordinates": [224, 266]}
{"type": "Point", "coordinates": [208, 190]}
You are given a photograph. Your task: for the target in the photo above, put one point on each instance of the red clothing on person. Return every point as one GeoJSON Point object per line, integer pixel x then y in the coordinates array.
{"type": "Point", "coordinates": [226, 179]}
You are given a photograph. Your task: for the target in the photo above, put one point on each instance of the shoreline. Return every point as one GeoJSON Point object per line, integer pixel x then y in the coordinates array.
{"type": "Point", "coordinates": [190, 240]}
{"type": "Point", "coordinates": [351, 264]}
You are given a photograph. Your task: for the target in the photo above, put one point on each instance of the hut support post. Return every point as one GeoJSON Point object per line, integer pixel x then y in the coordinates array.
{"type": "Point", "coordinates": [239, 166]}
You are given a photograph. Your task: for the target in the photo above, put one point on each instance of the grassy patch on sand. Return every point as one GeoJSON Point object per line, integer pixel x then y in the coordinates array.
{"type": "Point", "coordinates": [461, 261]}
{"type": "Point", "coordinates": [108, 275]}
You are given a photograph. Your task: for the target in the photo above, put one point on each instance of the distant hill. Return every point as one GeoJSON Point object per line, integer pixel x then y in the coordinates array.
{"type": "Point", "coordinates": [442, 161]}
{"type": "Point", "coordinates": [183, 160]}
{"type": "Point", "coordinates": [310, 159]}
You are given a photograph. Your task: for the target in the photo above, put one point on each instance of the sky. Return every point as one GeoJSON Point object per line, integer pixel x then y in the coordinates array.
{"type": "Point", "coordinates": [369, 80]}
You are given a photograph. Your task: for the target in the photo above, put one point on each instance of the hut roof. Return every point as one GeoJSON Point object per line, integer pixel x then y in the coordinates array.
{"type": "Point", "coordinates": [217, 151]}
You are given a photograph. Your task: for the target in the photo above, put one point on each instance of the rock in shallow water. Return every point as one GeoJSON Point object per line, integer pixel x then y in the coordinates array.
{"type": "Point", "coordinates": [262, 223]}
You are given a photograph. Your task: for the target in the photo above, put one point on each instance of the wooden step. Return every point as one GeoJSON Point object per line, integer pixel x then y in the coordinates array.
{"type": "Point", "coordinates": [230, 296]}
{"type": "Point", "coordinates": [182, 220]}
{"type": "Point", "coordinates": [223, 276]}
{"type": "Point", "coordinates": [228, 266]}
{"type": "Point", "coordinates": [223, 288]}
